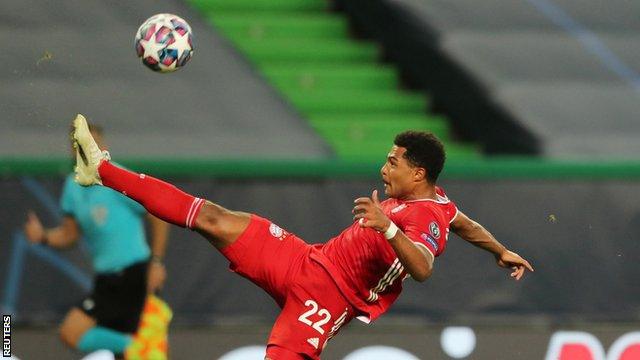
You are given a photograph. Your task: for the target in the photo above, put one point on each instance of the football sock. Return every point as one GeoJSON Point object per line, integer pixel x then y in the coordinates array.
{"type": "Point", "coordinates": [161, 199]}
{"type": "Point", "coordinates": [99, 337]}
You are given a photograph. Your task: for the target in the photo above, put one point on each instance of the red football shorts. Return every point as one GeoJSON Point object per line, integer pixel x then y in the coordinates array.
{"type": "Point", "coordinates": [313, 308]}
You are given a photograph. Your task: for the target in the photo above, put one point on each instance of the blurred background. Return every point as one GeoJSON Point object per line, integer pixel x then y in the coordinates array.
{"type": "Point", "coordinates": [288, 109]}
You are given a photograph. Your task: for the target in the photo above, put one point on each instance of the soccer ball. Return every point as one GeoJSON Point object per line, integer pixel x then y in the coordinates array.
{"type": "Point", "coordinates": [164, 42]}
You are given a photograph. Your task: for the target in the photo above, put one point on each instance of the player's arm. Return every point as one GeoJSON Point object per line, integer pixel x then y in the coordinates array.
{"type": "Point", "coordinates": [62, 236]}
{"type": "Point", "coordinates": [477, 235]}
{"type": "Point", "coordinates": [159, 231]}
{"type": "Point", "coordinates": [415, 259]}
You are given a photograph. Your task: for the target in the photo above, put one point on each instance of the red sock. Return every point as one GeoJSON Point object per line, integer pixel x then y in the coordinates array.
{"type": "Point", "coordinates": [161, 199]}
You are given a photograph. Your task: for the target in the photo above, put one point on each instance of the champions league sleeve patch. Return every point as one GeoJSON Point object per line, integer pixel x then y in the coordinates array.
{"type": "Point", "coordinates": [428, 238]}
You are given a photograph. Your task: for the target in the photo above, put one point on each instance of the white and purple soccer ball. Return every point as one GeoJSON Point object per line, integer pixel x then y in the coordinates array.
{"type": "Point", "coordinates": [164, 42]}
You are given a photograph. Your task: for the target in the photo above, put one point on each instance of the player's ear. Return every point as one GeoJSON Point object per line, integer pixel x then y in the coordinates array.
{"type": "Point", "coordinates": [419, 174]}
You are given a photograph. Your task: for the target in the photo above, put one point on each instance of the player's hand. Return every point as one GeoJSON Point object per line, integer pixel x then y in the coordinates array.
{"type": "Point", "coordinates": [368, 212]}
{"type": "Point", "coordinates": [509, 259]}
{"type": "Point", "coordinates": [33, 228]}
{"type": "Point", "coordinates": [156, 276]}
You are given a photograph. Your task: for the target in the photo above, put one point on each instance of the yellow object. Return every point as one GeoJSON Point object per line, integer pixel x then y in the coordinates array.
{"type": "Point", "coordinates": [151, 340]}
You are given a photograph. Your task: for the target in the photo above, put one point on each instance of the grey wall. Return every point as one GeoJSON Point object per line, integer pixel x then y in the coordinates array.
{"type": "Point", "coordinates": [558, 78]}
{"type": "Point", "coordinates": [215, 107]}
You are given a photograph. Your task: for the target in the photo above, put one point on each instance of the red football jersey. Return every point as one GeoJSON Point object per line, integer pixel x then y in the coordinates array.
{"type": "Point", "coordinates": [364, 265]}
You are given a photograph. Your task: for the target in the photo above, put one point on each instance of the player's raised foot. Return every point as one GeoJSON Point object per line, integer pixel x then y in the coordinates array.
{"type": "Point", "coordinates": [88, 154]}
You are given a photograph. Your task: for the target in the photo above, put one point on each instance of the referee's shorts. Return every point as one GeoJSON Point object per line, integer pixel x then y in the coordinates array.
{"type": "Point", "coordinates": [117, 299]}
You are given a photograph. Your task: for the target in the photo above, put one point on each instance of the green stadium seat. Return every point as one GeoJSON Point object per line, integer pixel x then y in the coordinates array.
{"type": "Point", "coordinates": [280, 26]}
{"type": "Point", "coordinates": [349, 98]}
{"type": "Point", "coordinates": [294, 51]}
{"type": "Point", "coordinates": [252, 6]}
{"type": "Point", "coordinates": [347, 101]}
{"type": "Point", "coordinates": [376, 126]}
{"type": "Point", "coordinates": [328, 77]}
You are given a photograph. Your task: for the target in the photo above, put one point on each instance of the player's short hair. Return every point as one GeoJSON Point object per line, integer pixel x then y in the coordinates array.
{"type": "Point", "coordinates": [424, 150]}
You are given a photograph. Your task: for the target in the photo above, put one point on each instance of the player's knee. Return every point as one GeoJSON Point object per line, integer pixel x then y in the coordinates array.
{"type": "Point", "coordinates": [215, 218]}
{"type": "Point", "coordinates": [211, 217]}
{"type": "Point", "coordinates": [220, 223]}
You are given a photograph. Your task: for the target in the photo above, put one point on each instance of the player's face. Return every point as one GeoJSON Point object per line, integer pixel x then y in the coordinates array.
{"type": "Point", "coordinates": [398, 174]}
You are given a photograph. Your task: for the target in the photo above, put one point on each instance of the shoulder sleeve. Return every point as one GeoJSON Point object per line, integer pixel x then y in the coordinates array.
{"type": "Point", "coordinates": [453, 212]}
{"type": "Point", "coordinates": [66, 199]}
{"type": "Point", "coordinates": [452, 209]}
{"type": "Point", "coordinates": [421, 226]}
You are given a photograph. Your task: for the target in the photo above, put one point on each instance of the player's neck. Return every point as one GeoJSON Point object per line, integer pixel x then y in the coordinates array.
{"type": "Point", "coordinates": [423, 192]}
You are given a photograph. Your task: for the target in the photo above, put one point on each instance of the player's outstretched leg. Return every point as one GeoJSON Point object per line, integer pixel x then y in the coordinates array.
{"type": "Point", "coordinates": [219, 225]}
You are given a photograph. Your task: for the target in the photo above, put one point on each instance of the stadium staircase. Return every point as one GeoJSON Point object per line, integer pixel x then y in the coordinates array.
{"type": "Point", "coordinates": [337, 83]}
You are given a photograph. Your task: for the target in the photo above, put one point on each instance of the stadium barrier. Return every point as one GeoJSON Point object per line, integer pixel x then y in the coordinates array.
{"type": "Point", "coordinates": [397, 342]}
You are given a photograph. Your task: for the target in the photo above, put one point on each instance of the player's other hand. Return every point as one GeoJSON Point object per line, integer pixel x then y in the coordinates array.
{"type": "Point", "coordinates": [509, 259]}
{"type": "Point", "coordinates": [368, 212]}
{"type": "Point", "coordinates": [156, 276]}
{"type": "Point", "coordinates": [33, 228]}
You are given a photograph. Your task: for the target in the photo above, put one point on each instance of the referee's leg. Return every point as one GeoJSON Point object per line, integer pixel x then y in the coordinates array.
{"type": "Point", "coordinates": [75, 324]}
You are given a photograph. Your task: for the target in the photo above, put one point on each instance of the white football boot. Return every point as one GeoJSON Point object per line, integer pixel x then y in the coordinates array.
{"type": "Point", "coordinates": [88, 154]}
